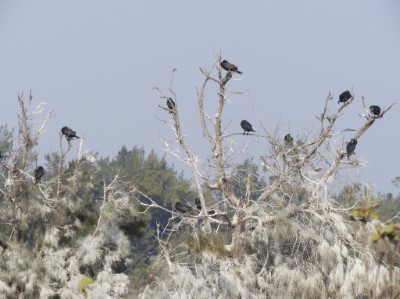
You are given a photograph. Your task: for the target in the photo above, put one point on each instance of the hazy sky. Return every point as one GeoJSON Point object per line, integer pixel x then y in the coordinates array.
{"type": "Point", "coordinates": [95, 63]}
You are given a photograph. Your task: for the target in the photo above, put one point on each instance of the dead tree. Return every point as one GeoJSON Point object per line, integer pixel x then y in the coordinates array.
{"type": "Point", "coordinates": [306, 166]}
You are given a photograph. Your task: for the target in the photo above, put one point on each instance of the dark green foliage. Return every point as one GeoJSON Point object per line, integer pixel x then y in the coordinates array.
{"type": "Point", "coordinates": [153, 177]}
{"type": "Point", "coordinates": [389, 208]}
{"type": "Point", "coordinates": [74, 221]}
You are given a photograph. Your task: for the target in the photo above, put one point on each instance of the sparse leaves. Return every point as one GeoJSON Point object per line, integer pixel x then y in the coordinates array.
{"type": "Point", "coordinates": [364, 213]}
{"type": "Point", "coordinates": [84, 282]}
{"type": "Point", "coordinates": [389, 229]}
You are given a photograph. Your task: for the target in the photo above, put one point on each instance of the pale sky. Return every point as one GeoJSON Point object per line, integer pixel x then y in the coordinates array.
{"type": "Point", "coordinates": [95, 63]}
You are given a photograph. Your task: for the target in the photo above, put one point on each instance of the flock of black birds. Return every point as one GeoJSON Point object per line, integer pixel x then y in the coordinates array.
{"type": "Point", "coordinates": [69, 135]}
{"type": "Point", "coordinates": [374, 111]}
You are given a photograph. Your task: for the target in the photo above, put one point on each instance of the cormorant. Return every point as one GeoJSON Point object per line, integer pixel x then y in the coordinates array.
{"type": "Point", "coordinates": [39, 172]}
{"type": "Point", "coordinates": [246, 126]}
{"type": "Point", "coordinates": [198, 206]}
{"type": "Point", "coordinates": [344, 96]}
{"type": "Point", "coordinates": [351, 146]}
{"type": "Point", "coordinates": [182, 207]}
{"type": "Point", "coordinates": [68, 133]}
{"type": "Point", "coordinates": [375, 110]}
{"type": "Point", "coordinates": [171, 104]}
{"type": "Point", "coordinates": [198, 203]}
{"type": "Point", "coordinates": [230, 67]}
{"type": "Point", "coordinates": [288, 139]}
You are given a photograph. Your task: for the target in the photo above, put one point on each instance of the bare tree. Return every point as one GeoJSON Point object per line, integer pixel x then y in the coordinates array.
{"type": "Point", "coordinates": [293, 246]}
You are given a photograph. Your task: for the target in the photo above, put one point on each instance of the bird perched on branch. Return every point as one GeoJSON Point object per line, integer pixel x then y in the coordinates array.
{"type": "Point", "coordinates": [183, 207]}
{"type": "Point", "coordinates": [351, 146]}
{"type": "Point", "coordinates": [68, 133]}
{"type": "Point", "coordinates": [198, 206]}
{"type": "Point", "coordinates": [246, 126]}
{"type": "Point", "coordinates": [288, 139]}
{"type": "Point", "coordinates": [198, 203]}
{"type": "Point", "coordinates": [171, 104]}
{"type": "Point", "coordinates": [344, 96]}
{"type": "Point", "coordinates": [375, 110]}
{"type": "Point", "coordinates": [39, 172]}
{"type": "Point", "coordinates": [230, 67]}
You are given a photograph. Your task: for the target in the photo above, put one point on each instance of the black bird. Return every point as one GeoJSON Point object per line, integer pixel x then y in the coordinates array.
{"type": "Point", "coordinates": [288, 139]}
{"type": "Point", "coordinates": [39, 172]}
{"type": "Point", "coordinates": [198, 206]}
{"type": "Point", "coordinates": [171, 104]}
{"type": "Point", "coordinates": [182, 207]}
{"type": "Point", "coordinates": [246, 126]}
{"type": "Point", "coordinates": [351, 146]}
{"type": "Point", "coordinates": [198, 203]}
{"type": "Point", "coordinates": [375, 110]}
{"type": "Point", "coordinates": [230, 67]}
{"type": "Point", "coordinates": [68, 133]}
{"type": "Point", "coordinates": [344, 96]}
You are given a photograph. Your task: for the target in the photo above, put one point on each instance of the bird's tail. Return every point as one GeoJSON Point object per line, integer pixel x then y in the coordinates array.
{"type": "Point", "coordinates": [239, 72]}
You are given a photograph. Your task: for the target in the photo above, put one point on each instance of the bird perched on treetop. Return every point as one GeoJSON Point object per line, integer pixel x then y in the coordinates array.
{"type": "Point", "coordinates": [344, 96]}
{"type": "Point", "coordinates": [351, 146]}
{"type": "Point", "coordinates": [183, 207]}
{"type": "Point", "coordinates": [230, 67]}
{"type": "Point", "coordinates": [39, 172]}
{"type": "Point", "coordinates": [288, 139]}
{"type": "Point", "coordinates": [68, 133]}
{"type": "Point", "coordinates": [246, 126]}
{"type": "Point", "coordinates": [375, 110]}
{"type": "Point", "coordinates": [171, 104]}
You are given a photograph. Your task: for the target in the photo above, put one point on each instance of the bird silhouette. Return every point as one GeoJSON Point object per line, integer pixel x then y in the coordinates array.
{"type": "Point", "coordinates": [183, 207]}
{"type": "Point", "coordinates": [198, 206]}
{"type": "Point", "coordinates": [375, 110]}
{"type": "Point", "coordinates": [288, 139]}
{"type": "Point", "coordinates": [344, 96]}
{"type": "Point", "coordinates": [68, 133]}
{"type": "Point", "coordinates": [171, 104]}
{"type": "Point", "coordinates": [230, 67]}
{"type": "Point", "coordinates": [39, 172]}
{"type": "Point", "coordinates": [246, 126]}
{"type": "Point", "coordinates": [198, 203]}
{"type": "Point", "coordinates": [350, 147]}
